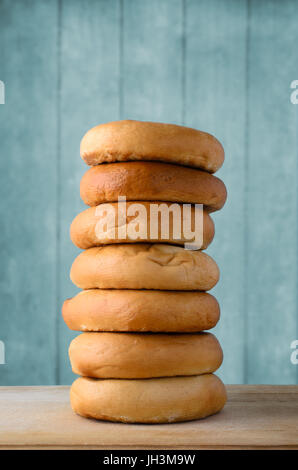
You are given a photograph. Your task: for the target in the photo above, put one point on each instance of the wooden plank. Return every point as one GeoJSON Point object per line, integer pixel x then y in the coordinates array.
{"type": "Point", "coordinates": [254, 417]}
{"type": "Point", "coordinates": [216, 103]}
{"type": "Point", "coordinates": [89, 95]}
{"type": "Point", "coordinates": [152, 60]}
{"type": "Point", "coordinates": [28, 130]}
{"type": "Point", "coordinates": [272, 193]}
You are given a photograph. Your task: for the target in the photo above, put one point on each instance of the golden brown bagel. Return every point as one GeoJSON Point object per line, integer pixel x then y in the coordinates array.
{"type": "Point", "coordinates": [85, 231]}
{"type": "Point", "coordinates": [141, 310]}
{"type": "Point", "coordinates": [144, 355]}
{"type": "Point", "coordinates": [137, 140]}
{"type": "Point", "coordinates": [151, 181]}
{"type": "Point", "coordinates": [144, 266]}
{"type": "Point", "coordinates": [164, 400]}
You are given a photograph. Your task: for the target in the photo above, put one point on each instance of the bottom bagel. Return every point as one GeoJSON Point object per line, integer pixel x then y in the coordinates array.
{"type": "Point", "coordinates": [162, 400]}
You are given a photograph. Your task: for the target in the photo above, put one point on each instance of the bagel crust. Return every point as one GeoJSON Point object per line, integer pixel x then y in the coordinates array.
{"type": "Point", "coordinates": [141, 355]}
{"type": "Point", "coordinates": [84, 231]}
{"type": "Point", "coordinates": [136, 310]}
{"type": "Point", "coordinates": [163, 400]}
{"type": "Point", "coordinates": [144, 266]}
{"type": "Point", "coordinates": [137, 140]}
{"type": "Point", "coordinates": [152, 181]}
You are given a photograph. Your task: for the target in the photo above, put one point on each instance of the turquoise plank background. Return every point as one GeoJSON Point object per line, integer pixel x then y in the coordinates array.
{"type": "Point", "coordinates": [223, 66]}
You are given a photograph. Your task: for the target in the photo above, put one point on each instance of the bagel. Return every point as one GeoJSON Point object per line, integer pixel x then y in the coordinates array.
{"type": "Point", "coordinates": [140, 310]}
{"type": "Point", "coordinates": [164, 400]}
{"type": "Point", "coordinates": [86, 232]}
{"type": "Point", "coordinates": [144, 355]}
{"type": "Point", "coordinates": [137, 140]}
{"type": "Point", "coordinates": [144, 266]}
{"type": "Point", "coordinates": [152, 181]}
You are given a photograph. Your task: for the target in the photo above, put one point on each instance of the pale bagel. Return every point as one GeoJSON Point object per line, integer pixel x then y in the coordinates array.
{"type": "Point", "coordinates": [138, 140]}
{"type": "Point", "coordinates": [86, 231]}
{"type": "Point", "coordinates": [144, 266]}
{"type": "Point", "coordinates": [144, 355]}
{"type": "Point", "coordinates": [141, 310]}
{"type": "Point", "coordinates": [151, 181]}
{"type": "Point", "coordinates": [164, 400]}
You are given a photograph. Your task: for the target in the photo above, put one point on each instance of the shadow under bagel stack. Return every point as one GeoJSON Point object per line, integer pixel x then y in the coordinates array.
{"type": "Point", "coordinates": [144, 355]}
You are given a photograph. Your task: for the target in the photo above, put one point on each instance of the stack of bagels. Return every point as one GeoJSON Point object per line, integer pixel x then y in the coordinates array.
{"type": "Point", "coordinates": [144, 354]}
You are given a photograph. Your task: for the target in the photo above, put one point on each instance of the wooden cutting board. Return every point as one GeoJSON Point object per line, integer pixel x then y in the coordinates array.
{"type": "Point", "coordinates": [254, 417]}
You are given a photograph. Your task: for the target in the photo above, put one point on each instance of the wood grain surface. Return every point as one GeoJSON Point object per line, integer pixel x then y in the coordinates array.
{"type": "Point", "coordinates": [255, 417]}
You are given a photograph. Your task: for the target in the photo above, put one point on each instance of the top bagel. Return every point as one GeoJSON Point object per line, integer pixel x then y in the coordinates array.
{"type": "Point", "coordinates": [127, 140]}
